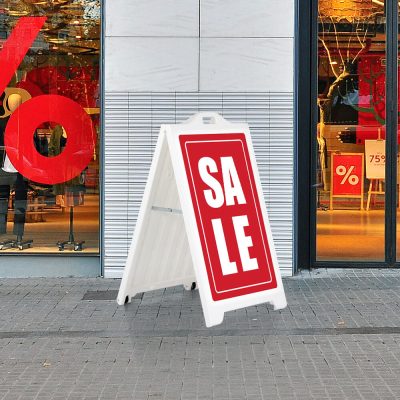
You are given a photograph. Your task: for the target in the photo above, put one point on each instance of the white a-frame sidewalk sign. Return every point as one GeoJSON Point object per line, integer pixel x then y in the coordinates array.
{"type": "Point", "coordinates": [203, 219]}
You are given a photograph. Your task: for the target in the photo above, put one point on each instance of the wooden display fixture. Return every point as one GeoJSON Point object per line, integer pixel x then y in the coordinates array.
{"type": "Point", "coordinates": [378, 183]}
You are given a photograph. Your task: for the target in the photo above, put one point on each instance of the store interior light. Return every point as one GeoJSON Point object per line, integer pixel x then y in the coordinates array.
{"type": "Point", "coordinates": [18, 13]}
{"type": "Point", "coordinates": [57, 40]}
{"type": "Point", "coordinates": [346, 9]}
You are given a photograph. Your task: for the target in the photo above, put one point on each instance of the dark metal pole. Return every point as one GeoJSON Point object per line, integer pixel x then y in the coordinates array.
{"type": "Point", "coordinates": [71, 225]}
{"type": "Point", "coordinates": [391, 130]}
{"type": "Point", "coordinates": [305, 125]}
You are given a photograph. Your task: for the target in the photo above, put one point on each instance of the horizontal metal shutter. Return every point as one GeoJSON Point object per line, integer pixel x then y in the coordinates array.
{"type": "Point", "coordinates": [132, 122]}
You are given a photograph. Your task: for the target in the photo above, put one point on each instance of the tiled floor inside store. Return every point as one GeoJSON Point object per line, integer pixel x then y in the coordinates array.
{"type": "Point", "coordinates": [352, 235]}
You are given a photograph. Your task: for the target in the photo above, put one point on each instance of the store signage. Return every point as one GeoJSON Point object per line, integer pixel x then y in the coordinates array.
{"type": "Point", "coordinates": [375, 156]}
{"type": "Point", "coordinates": [347, 176]}
{"type": "Point", "coordinates": [347, 170]}
{"type": "Point", "coordinates": [26, 118]}
{"type": "Point", "coordinates": [228, 214]}
{"type": "Point", "coordinates": [203, 219]}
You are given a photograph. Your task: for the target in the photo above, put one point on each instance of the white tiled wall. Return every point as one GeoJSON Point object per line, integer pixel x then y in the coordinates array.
{"type": "Point", "coordinates": [166, 58]}
{"type": "Point", "coordinates": [246, 64]}
{"type": "Point", "coordinates": [190, 45]}
{"type": "Point", "coordinates": [170, 18]}
{"type": "Point", "coordinates": [247, 18]}
{"type": "Point", "coordinates": [151, 64]}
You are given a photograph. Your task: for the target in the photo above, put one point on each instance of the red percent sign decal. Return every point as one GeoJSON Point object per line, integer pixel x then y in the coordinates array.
{"type": "Point", "coordinates": [18, 139]}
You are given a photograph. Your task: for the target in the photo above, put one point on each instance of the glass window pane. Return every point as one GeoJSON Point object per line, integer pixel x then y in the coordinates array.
{"type": "Point", "coordinates": [49, 126]}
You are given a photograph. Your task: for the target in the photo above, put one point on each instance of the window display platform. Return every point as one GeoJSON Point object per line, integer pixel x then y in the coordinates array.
{"type": "Point", "coordinates": [47, 231]}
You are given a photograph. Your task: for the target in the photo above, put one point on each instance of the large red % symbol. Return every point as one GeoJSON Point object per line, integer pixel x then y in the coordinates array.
{"type": "Point", "coordinates": [353, 179]}
{"type": "Point", "coordinates": [28, 116]}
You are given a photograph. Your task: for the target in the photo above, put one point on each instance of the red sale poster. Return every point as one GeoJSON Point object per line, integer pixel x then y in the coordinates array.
{"type": "Point", "coordinates": [228, 214]}
{"type": "Point", "coordinates": [347, 176]}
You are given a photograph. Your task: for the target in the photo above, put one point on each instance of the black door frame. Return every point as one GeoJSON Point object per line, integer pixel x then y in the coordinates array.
{"type": "Point", "coordinates": [305, 152]}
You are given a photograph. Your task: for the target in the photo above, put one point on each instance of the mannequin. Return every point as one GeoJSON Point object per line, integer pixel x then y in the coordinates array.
{"type": "Point", "coordinates": [322, 160]}
{"type": "Point", "coordinates": [322, 166]}
{"type": "Point", "coordinates": [21, 189]}
{"type": "Point", "coordinates": [71, 192]}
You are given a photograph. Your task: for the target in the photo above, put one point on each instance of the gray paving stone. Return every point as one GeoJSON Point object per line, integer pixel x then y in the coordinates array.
{"type": "Point", "coordinates": [339, 338]}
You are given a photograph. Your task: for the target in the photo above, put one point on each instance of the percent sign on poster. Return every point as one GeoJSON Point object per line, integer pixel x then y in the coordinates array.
{"type": "Point", "coordinates": [352, 179]}
{"type": "Point", "coordinates": [347, 173]}
{"type": "Point", "coordinates": [18, 137]}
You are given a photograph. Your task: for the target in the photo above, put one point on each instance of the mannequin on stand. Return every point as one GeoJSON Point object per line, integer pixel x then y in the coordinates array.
{"type": "Point", "coordinates": [11, 177]}
{"type": "Point", "coordinates": [71, 242]}
{"type": "Point", "coordinates": [322, 166]}
{"type": "Point", "coordinates": [70, 194]}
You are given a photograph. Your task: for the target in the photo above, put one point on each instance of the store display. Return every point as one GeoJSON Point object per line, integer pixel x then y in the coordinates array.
{"type": "Point", "coordinates": [14, 100]}
{"type": "Point", "coordinates": [322, 162]}
{"type": "Point", "coordinates": [62, 62]}
{"type": "Point", "coordinates": [77, 246]}
{"type": "Point", "coordinates": [351, 104]}
{"type": "Point", "coordinates": [347, 177]}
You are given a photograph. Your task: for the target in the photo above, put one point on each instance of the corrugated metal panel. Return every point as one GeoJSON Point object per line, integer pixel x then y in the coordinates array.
{"type": "Point", "coordinates": [132, 122]}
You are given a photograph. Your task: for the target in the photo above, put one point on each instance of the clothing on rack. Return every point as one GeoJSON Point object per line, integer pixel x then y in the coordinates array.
{"type": "Point", "coordinates": [41, 144]}
{"type": "Point", "coordinates": [56, 144]}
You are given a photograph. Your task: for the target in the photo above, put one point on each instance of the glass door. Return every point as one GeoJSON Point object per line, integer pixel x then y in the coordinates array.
{"type": "Point", "coordinates": [350, 182]}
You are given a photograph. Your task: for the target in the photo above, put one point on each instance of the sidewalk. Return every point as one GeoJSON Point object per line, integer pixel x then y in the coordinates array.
{"type": "Point", "coordinates": [339, 338]}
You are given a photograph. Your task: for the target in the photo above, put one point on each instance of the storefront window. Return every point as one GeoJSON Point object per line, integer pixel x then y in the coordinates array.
{"type": "Point", "coordinates": [49, 126]}
{"type": "Point", "coordinates": [350, 135]}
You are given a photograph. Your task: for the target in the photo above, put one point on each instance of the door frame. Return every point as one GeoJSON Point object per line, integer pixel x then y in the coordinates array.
{"type": "Point", "coordinates": [305, 151]}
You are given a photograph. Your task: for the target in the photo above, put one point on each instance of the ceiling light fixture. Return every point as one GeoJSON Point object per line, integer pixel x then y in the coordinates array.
{"type": "Point", "coordinates": [346, 9]}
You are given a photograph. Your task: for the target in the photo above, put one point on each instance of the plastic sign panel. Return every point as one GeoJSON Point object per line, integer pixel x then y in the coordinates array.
{"type": "Point", "coordinates": [347, 176]}
{"type": "Point", "coordinates": [348, 172]}
{"type": "Point", "coordinates": [204, 182]}
{"type": "Point", "coordinates": [229, 220]}
{"type": "Point", "coordinates": [375, 156]}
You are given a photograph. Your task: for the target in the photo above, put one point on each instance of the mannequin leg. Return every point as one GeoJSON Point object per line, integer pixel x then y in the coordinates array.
{"type": "Point", "coordinates": [4, 199]}
{"type": "Point", "coordinates": [20, 205]}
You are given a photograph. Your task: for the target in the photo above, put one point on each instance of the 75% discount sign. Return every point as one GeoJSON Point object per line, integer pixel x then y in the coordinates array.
{"type": "Point", "coordinates": [375, 159]}
{"type": "Point", "coordinates": [18, 137]}
{"type": "Point", "coordinates": [347, 176]}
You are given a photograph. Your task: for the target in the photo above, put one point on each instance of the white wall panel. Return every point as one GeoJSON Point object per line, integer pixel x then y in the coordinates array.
{"type": "Point", "coordinates": [147, 64]}
{"type": "Point", "coordinates": [152, 18]}
{"type": "Point", "coordinates": [132, 125]}
{"type": "Point", "coordinates": [246, 64]}
{"type": "Point", "coordinates": [254, 18]}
